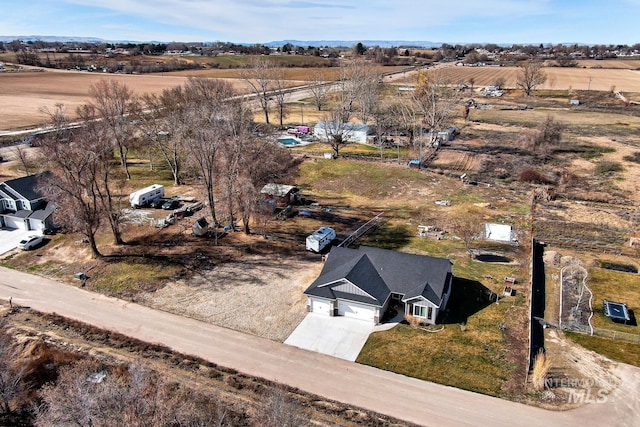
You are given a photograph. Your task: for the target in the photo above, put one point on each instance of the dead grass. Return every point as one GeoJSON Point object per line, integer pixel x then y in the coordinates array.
{"type": "Point", "coordinates": [557, 78]}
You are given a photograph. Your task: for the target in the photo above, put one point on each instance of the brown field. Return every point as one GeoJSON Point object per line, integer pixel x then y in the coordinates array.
{"type": "Point", "coordinates": [23, 95]}
{"type": "Point", "coordinates": [629, 64]}
{"type": "Point", "coordinates": [557, 78]}
{"type": "Point", "coordinates": [301, 74]}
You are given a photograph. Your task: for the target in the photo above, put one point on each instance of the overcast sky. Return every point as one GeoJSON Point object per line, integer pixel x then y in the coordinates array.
{"type": "Point", "coordinates": [261, 21]}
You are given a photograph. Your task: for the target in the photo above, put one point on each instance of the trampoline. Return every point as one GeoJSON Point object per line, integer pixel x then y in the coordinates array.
{"type": "Point", "coordinates": [616, 311]}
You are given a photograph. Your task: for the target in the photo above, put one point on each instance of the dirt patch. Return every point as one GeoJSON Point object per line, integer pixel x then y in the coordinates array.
{"type": "Point", "coordinates": [260, 295]}
{"type": "Point", "coordinates": [575, 370]}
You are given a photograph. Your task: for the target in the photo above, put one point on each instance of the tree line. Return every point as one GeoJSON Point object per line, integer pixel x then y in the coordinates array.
{"type": "Point", "coordinates": [202, 131]}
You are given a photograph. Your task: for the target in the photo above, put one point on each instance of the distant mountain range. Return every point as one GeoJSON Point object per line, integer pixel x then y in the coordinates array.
{"type": "Point", "coordinates": [349, 43]}
{"type": "Point", "coordinates": [305, 43]}
{"type": "Point", "coordinates": [67, 39]}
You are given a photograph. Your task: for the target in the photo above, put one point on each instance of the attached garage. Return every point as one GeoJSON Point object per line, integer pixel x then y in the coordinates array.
{"type": "Point", "coordinates": [13, 222]}
{"type": "Point", "coordinates": [356, 310]}
{"type": "Point", "coordinates": [318, 305]}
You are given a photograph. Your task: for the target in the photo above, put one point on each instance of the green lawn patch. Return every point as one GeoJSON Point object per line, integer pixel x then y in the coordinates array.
{"type": "Point", "coordinates": [131, 275]}
{"type": "Point", "coordinates": [472, 360]}
{"type": "Point", "coordinates": [614, 286]}
{"type": "Point", "coordinates": [615, 350]}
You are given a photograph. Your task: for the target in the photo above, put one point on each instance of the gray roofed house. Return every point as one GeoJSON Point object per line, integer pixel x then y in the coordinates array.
{"type": "Point", "coordinates": [362, 283]}
{"type": "Point", "coordinates": [22, 206]}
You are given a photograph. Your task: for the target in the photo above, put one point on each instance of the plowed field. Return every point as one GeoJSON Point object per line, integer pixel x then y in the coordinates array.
{"type": "Point", "coordinates": [557, 78]}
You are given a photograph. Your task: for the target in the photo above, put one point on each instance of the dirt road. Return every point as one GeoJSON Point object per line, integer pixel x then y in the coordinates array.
{"type": "Point", "coordinates": [402, 397]}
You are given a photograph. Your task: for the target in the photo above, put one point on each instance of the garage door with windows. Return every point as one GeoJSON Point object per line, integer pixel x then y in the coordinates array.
{"type": "Point", "coordinates": [356, 311]}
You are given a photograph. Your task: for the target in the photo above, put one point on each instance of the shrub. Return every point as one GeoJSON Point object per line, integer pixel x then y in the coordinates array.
{"type": "Point", "coordinates": [607, 166]}
{"type": "Point", "coordinates": [413, 321]}
{"type": "Point", "coordinates": [541, 367]}
{"type": "Point", "coordinates": [635, 157]}
{"type": "Point", "coordinates": [533, 176]}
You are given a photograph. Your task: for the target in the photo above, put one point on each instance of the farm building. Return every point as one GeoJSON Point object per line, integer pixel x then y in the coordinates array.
{"type": "Point", "coordinates": [279, 195]}
{"type": "Point", "coordinates": [23, 206]}
{"type": "Point", "coordinates": [351, 132]}
{"type": "Point", "coordinates": [362, 283]}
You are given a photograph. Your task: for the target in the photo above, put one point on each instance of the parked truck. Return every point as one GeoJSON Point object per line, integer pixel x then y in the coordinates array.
{"type": "Point", "coordinates": [146, 196]}
{"type": "Point", "coordinates": [320, 238]}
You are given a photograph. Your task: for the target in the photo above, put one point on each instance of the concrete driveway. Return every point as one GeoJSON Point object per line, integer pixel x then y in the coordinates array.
{"type": "Point", "coordinates": [9, 238]}
{"type": "Point", "coordinates": [336, 336]}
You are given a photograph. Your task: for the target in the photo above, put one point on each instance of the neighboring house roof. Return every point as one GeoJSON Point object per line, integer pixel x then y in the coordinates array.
{"type": "Point", "coordinates": [345, 127]}
{"type": "Point", "coordinates": [25, 186]}
{"type": "Point", "coordinates": [278, 190]}
{"type": "Point", "coordinates": [44, 212]}
{"type": "Point", "coordinates": [376, 273]}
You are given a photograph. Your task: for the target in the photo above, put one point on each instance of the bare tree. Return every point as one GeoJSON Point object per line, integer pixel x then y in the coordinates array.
{"type": "Point", "coordinates": [161, 121]}
{"type": "Point", "coordinates": [363, 80]}
{"type": "Point", "coordinates": [404, 116]}
{"type": "Point", "coordinates": [22, 156]}
{"type": "Point", "coordinates": [259, 76]}
{"type": "Point", "coordinates": [320, 87]}
{"type": "Point", "coordinates": [280, 93]}
{"type": "Point", "coordinates": [530, 76]}
{"type": "Point", "coordinates": [354, 86]}
{"type": "Point", "coordinates": [465, 222]}
{"type": "Point", "coordinates": [336, 129]}
{"type": "Point", "coordinates": [116, 105]}
{"type": "Point", "coordinates": [76, 163]}
{"type": "Point", "coordinates": [435, 99]}
{"type": "Point", "coordinates": [210, 120]}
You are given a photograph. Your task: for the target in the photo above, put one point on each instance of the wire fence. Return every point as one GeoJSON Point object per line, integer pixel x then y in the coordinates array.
{"type": "Point", "coordinates": [617, 335]}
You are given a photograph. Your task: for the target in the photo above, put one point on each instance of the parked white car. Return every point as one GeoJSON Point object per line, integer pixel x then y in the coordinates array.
{"type": "Point", "coordinates": [30, 242]}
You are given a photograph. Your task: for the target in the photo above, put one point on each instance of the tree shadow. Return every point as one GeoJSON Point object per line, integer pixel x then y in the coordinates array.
{"type": "Point", "coordinates": [467, 298]}
{"type": "Point", "coordinates": [386, 236]}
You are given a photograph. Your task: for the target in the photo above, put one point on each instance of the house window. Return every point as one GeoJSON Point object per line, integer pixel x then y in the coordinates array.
{"type": "Point", "coordinates": [430, 313]}
{"type": "Point", "coordinates": [419, 311]}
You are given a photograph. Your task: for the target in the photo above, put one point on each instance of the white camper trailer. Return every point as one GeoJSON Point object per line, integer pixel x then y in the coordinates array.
{"type": "Point", "coordinates": [320, 239]}
{"type": "Point", "coordinates": [146, 196]}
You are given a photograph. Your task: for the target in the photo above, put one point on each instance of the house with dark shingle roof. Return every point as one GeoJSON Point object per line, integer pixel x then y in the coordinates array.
{"type": "Point", "coordinates": [22, 206]}
{"type": "Point", "coordinates": [362, 283]}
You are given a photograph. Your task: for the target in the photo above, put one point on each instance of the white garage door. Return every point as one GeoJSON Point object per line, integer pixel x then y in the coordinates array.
{"type": "Point", "coordinates": [356, 311]}
{"type": "Point", "coordinates": [15, 223]}
{"type": "Point", "coordinates": [320, 306]}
